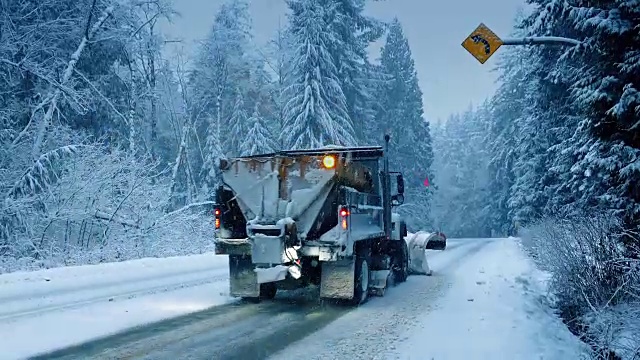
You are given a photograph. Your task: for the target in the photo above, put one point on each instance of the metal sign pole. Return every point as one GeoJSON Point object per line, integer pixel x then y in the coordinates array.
{"type": "Point", "coordinates": [542, 40]}
{"type": "Point", "coordinates": [482, 43]}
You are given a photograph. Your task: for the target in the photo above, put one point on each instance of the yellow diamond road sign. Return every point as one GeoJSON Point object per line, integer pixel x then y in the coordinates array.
{"type": "Point", "coordinates": [482, 43]}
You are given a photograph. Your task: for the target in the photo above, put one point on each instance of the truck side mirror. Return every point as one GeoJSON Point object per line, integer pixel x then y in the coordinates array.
{"type": "Point", "coordinates": [400, 184]}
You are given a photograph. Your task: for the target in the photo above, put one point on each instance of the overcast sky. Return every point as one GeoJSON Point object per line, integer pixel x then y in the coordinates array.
{"type": "Point", "coordinates": [450, 78]}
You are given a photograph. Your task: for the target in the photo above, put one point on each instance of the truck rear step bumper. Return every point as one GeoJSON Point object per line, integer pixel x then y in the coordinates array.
{"type": "Point", "coordinates": [233, 246]}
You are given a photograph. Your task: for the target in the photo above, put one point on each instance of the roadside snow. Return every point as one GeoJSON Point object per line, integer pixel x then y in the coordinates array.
{"type": "Point", "coordinates": [495, 308]}
{"type": "Point", "coordinates": [45, 310]}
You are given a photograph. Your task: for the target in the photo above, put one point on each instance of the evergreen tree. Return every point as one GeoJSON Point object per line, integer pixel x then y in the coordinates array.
{"type": "Point", "coordinates": [212, 155]}
{"type": "Point", "coordinates": [316, 114]}
{"type": "Point", "coordinates": [280, 54]}
{"type": "Point", "coordinates": [597, 169]}
{"type": "Point", "coordinates": [505, 106]}
{"type": "Point", "coordinates": [226, 63]}
{"type": "Point", "coordinates": [531, 123]}
{"type": "Point", "coordinates": [238, 125]}
{"type": "Point", "coordinates": [402, 116]}
{"type": "Point", "coordinates": [354, 32]}
{"type": "Point", "coordinates": [258, 139]}
{"type": "Point", "coordinates": [461, 165]}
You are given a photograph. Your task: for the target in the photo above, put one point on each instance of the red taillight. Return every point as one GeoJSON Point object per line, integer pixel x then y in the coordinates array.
{"type": "Point", "coordinates": [344, 217]}
{"type": "Point", "coordinates": [217, 213]}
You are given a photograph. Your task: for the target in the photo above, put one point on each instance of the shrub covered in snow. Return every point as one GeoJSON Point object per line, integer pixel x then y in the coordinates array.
{"type": "Point", "coordinates": [90, 203]}
{"type": "Point", "coordinates": [595, 284]}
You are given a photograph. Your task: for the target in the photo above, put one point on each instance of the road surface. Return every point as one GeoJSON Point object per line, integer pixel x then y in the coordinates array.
{"type": "Point", "coordinates": [258, 331]}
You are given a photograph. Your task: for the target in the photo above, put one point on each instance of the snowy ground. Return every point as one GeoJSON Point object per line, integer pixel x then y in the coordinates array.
{"type": "Point", "coordinates": [495, 306]}
{"type": "Point", "coordinates": [45, 310]}
{"type": "Point", "coordinates": [484, 301]}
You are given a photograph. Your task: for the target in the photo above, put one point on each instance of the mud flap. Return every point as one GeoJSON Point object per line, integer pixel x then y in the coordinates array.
{"type": "Point", "coordinates": [380, 281]}
{"type": "Point", "coordinates": [243, 280]}
{"type": "Point", "coordinates": [337, 280]}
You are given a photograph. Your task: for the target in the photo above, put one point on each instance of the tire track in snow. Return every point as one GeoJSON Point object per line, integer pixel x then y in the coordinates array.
{"type": "Point", "coordinates": [237, 331]}
{"type": "Point", "coordinates": [368, 331]}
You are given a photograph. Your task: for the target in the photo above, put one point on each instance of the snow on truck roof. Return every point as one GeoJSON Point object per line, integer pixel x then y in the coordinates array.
{"type": "Point", "coordinates": [355, 151]}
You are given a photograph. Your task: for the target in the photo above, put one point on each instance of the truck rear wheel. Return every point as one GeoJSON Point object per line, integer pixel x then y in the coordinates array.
{"type": "Point", "coordinates": [402, 263]}
{"type": "Point", "coordinates": [361, 276]}
{"type": "Point", "coordinates": [267, 292]}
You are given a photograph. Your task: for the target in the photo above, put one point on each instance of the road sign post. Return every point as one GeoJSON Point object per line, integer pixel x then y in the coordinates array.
{"type": "Point", "coordinates": [482, 43]}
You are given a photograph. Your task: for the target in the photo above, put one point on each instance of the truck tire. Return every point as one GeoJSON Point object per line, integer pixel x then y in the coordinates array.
{"type": "Point", "coordinates": [361, 276]}
{"type": "Point", "coordinates": [268, 291]}
{"type": "Point", "coordinates": [253, 300]}
{"type": "Point", "coordinates": [402, 258]}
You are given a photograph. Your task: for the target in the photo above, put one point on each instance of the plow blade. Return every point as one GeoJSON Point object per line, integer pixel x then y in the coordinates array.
{"type": "Point", "coordinates": [417, 244]}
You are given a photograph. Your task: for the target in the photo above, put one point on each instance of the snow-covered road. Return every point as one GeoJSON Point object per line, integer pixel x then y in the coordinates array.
{"type": "Point", "coordinates": [484, 301]}
{"type": "Point", "coordinates": [481, 303]}
{"type": "Point", "coordinates": [45, 310]}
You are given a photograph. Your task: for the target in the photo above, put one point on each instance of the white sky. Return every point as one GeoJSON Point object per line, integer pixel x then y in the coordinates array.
{"type": "Point", "coordinates": [450, 78]}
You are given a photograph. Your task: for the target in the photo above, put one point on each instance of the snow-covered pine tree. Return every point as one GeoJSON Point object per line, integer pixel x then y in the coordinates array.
{"type": "Point", "coordinates": [545, 124]}
{"type": "Point", "coordinates": [279, 51]}
{"type": "Point", "coordinates": [603, 82]}
{"type": "Point", "coordinates": [212, 155]}
{"type": "Point", "coordinates": [316, 113]}
{"type": "Point", "coordinates": [449, 203]}
{"type": "Point", "coordinates": [527, 201]}
{"type": "Point", "coordinates": [505, 106]}
{"type": "Point", "coordinates": [224, 64]}
{"type": "Point", "coordinates": [258, 139]}
{"type": "Point", "coordinates": [402, 116]}
{"type": "Point", "coordinates": [460, 202]}
{"type": "Point", "coordinates": [238, 125]}
{"type": "Point", "coordinates": [353, 33]}
{"type": "Point", "coordinates": [374, 128]}
{"type": "Point", "coordinates": [531, 123]}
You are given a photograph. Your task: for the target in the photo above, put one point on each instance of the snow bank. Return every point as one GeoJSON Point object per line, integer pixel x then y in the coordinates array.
{"type": "Point", "coordinates": [87, 302]}
{"type": "Point", "coordinates": [495, 308]}
{"type": "Point", "coordinates": [593, 280]}
{"type": "Point", "coordinates": [99, 274]}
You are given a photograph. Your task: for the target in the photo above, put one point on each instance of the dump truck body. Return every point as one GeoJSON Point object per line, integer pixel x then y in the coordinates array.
{"type": "Point", "coordinates": [321, 217]}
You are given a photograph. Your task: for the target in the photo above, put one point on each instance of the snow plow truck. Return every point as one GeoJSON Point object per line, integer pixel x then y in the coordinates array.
{"type": "Point", "coordinates": [323, 217]}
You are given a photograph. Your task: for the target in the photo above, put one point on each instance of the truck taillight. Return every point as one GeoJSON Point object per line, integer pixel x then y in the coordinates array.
{"type": "Point", "coordinates": [344, 217]}
{"type": "Point", "coordinates": [217, 213]}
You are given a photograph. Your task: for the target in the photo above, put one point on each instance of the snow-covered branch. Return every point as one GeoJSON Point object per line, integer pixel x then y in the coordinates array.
{"type": "Point", "coordinates": [103, 215]}
{"type": "Point", "coordinates": [182, 209]}
{"type": "Point", "coordinates": [66, 75]}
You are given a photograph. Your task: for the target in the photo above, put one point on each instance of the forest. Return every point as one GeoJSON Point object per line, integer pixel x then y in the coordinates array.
{"type": "Point", "coordinates": [553, 157]}
{"type": "Point", "coordinates": [109, 149]}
